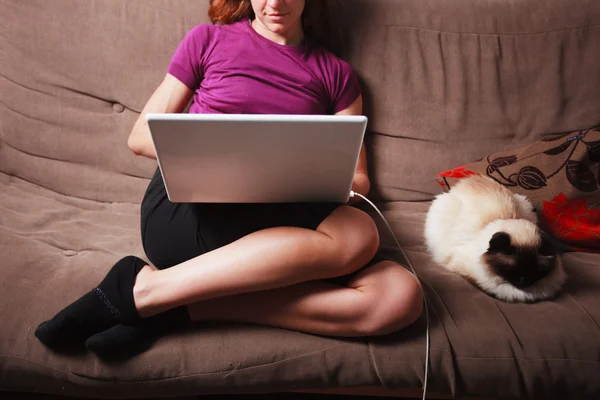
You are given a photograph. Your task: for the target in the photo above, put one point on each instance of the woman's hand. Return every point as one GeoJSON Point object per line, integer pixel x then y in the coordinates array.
{"type": "Point", "coordinates": [360, 184]}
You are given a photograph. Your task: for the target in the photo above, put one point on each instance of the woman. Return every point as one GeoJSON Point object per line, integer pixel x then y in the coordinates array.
{"type": "Point", "coordinates": [270, 264]}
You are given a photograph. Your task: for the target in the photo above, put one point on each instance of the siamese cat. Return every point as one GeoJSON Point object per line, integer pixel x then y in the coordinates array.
{"type": "Point", "coordinates": [485, 233]}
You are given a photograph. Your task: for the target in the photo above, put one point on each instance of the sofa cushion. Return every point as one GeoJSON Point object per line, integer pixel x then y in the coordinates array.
{"type": "Point", "coordinates": [55, 248]}
{"type": "Point", "coordinates": [75, 76]}
{"type": "Point", "coordinates": [447, 83]}
{"type": "Point", "coordinates": [484, 347]}
{"type": "Point", "coordinates": [559, 174]}
{"type": "Point", "coordinates": [442, 82]}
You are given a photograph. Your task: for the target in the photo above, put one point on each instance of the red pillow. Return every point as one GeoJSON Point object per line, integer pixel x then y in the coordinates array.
{"type": "Point", "coordinates": [560, 175]}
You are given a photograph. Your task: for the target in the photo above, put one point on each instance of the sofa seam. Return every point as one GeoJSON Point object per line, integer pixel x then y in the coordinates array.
{"type": "Point", "coordinates": [61, 193]}
{"type": "Point", "coordinates": [510, 327]}
{"type": "Point", "coordinates": [529, 359]}
{"type": "Point", "coordinates": [579, 28]}
{"type": "Point", "coordinates": [173, 377]}
{"type": "Point", "coordinates": [586, 312]}
{"type": "Point", "coordinates": [374, 364]}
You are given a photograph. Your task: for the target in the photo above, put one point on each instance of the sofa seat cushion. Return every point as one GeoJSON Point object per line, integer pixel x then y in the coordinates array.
{"type": "Point", "coordinates": [55, 248]}
{"type": "Point", "coordinates": [484, 347]}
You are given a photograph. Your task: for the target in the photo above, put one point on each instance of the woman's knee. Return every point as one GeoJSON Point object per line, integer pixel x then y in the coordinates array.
{"type": "Point", "coordinates": [355, 239]}
{"type": "Point", "coordinates": [394, 301]}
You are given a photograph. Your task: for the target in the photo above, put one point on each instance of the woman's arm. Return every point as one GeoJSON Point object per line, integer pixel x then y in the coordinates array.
{"type": "Point", "coordinates": [360, 183]}
{"type": "Point", "coordinates": [172, 96]}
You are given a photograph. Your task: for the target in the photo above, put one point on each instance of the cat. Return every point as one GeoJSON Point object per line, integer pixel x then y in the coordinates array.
{"type": "Point", "coordinates": [489, 235]}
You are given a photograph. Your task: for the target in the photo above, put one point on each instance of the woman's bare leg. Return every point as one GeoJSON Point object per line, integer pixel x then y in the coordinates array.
{"type": "Point", "coordinates": [271, 258]}
{"type": "Point", "coordinates": [380, 299]}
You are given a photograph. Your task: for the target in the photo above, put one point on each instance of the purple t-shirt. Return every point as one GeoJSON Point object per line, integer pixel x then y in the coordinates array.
{"type": "Point", "coordinates": [235, 70]}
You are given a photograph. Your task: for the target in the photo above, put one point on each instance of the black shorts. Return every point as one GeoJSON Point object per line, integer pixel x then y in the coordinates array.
{"type": "Point", "coordinates": [176, 232]}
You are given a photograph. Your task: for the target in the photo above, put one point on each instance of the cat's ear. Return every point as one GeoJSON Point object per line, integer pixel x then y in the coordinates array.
{"type": "Point", "coordinates": [500, 243]}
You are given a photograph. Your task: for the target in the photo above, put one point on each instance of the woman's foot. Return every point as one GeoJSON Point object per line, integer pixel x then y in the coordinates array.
{"type": "Point", "coordinates": [124, 341]}
{"type": "Point", "coordinates": [109, 304]}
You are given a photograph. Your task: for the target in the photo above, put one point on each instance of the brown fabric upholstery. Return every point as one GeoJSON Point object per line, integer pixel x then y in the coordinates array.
{"type": "Point", "coordinates": [450, 82]}
{"type": "Point", "coordinates": [444, 84]}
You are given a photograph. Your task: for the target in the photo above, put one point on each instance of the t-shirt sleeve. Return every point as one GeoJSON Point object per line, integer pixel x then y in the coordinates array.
{"type": "Point", "coordinates": [345, 86]}
{"type": "Point", "coordinates": [187, 63]}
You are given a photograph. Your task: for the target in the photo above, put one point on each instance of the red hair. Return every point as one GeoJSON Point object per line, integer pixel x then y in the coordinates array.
{"type": "Point", "coordinates": [224, 12]}
{"type": "Point", "coordinates": [316, 20]}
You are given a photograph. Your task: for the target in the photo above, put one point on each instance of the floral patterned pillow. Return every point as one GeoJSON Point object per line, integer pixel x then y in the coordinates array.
{"type": "Point", "coordinates": [559, 174]}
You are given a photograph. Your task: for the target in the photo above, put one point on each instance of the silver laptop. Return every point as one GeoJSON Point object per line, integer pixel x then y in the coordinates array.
{"type": "Point", "coordinates": [240, 158]}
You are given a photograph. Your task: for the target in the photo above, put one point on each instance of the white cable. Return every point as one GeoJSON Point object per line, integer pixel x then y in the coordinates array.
{"type": "Point", "coordinates": [352, 194]}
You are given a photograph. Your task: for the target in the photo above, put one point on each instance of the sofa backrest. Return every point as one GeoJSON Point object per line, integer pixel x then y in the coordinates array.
{"type": "Point", "coordinates": [444, 83]}
{"type": "Point", "coordinates": [75, 75]}
{"type": "Point", "coordinates": [449, 82]}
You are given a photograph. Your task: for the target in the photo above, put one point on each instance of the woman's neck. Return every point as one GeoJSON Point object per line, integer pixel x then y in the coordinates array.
{"type": "Point", "coordinates": [295, 37]}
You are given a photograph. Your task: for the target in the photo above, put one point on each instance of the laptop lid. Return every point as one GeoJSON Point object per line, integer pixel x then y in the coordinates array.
{"type": "Point", "coordinates": [257, 158]}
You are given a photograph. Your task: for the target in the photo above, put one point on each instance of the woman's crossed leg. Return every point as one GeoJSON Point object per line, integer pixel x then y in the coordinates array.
{"type": "Point", "coordinates": [273, 276]}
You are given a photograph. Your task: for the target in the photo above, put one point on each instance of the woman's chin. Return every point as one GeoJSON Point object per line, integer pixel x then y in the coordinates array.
{"type": "Point", "coordinates": [278, 28]}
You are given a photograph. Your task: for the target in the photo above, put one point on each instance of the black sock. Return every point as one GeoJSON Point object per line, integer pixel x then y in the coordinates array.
{"type": "Point", "coordinates": [123, 341]}
{"type": "Point", "coordinates": [110, 303]}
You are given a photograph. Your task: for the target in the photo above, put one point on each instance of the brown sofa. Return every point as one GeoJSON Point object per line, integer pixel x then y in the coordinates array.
{"type": "Point", "coordinates": [444, 83]}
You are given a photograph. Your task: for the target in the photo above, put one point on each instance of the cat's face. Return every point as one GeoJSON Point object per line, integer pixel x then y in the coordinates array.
{"type": "Point", "coordinates": [520, 264]}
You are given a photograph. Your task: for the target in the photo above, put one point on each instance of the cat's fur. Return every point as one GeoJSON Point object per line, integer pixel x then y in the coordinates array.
{"type": "Point", "coordinates": [485, 233]}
